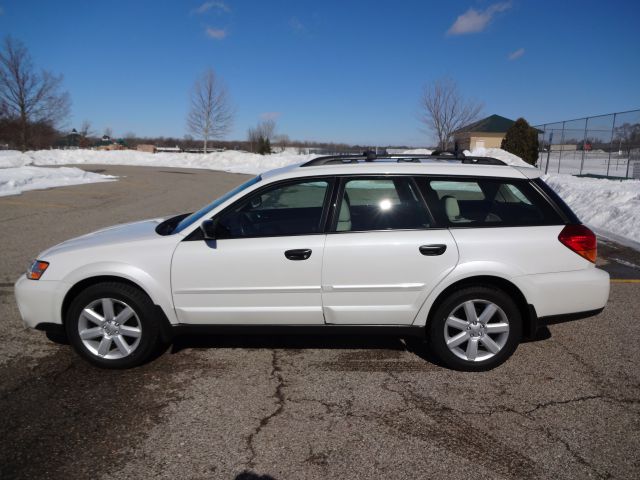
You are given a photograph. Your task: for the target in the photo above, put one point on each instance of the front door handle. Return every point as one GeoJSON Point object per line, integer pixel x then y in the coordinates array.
{"type": "Point", "coordinates": [298, 254]}
{"type": "Point", "coordinates": [432, 250]}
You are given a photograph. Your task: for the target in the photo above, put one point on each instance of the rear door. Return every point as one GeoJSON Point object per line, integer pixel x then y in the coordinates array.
{"type": "Point", "coordinates": [383, 254]}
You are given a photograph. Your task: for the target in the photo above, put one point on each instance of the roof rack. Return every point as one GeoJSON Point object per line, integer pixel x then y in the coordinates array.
{"type": "Point", "coordinates": [446, 156]}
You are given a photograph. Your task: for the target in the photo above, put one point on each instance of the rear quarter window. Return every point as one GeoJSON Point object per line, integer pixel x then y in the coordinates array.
{"type": "Point", "coordinates": [487, 202]}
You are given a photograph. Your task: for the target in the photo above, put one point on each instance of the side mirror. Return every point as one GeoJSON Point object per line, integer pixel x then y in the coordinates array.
{"type": "Point", "coordinates": [256, 202]}
{"type": "Point", "coordinates": [208, 228]}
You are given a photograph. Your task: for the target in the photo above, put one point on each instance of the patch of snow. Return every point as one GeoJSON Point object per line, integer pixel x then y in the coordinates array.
{"type": "Point", "coordinates": [610, 206]}
{"type": "Point", "coordinates": [13, 158]}
{"type": "Point", "coordinates": [506, 157]}
{"type": "Point", "coordinates": [228, 161]}
{"type": "Point", "coordinates": [417, 151]}
{"type": "Point", "coordinates": [15, 180]}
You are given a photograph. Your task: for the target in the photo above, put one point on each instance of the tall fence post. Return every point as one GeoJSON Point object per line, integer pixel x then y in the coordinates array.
{"type": "Point", "coordinates": [584, 142]}
{"type": "Point", "coordinates": [613, 129]}
{"type": "Point", "coordinates": [561, 146]}
{"type": "Point", "coordinates": [541, 146]}
{"type": "Point", "coordinates": [546, 170]}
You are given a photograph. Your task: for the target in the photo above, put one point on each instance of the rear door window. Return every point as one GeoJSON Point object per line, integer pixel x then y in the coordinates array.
{"type": "Point", "coordinates": [381, 204]}
{"type": "Point", "coordinates": [458, 202]}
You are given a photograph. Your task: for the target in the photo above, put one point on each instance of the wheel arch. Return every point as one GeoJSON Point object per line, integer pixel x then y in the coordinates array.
{"type": "Point", "coordinates": [90, 281]}
{"type": "Point", "coordinates": [527, 311]}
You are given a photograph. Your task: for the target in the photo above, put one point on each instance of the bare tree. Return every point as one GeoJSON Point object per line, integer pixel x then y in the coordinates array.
{"type": "Point", "coordinates": [85, 132]}
{"type": "Point", "coordinates": [253, 137]}
{"type": "Point", "coordinates": [130, 139]}
{"type": "Point", "coordinates": [26, 95]}
{"type": "Point", "coordinates": [108, 132]}
{"type": "Point", "coordinates": [267, 129]}
{"type": "Point", "coordinates": [443, 110]}
{"type": "Point", "coordinates": [282, 141]}
{"type": "Point", "coordinates": [85, 129]}
{"type": "Point", "coordinates": [211, 113]}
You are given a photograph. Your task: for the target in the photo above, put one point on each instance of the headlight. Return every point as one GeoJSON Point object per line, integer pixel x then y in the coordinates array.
{"type": "Point", "coordinates": [36, 269]}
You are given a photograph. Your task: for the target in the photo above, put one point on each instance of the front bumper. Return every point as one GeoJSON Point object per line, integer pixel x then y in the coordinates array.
{"type": "Point", "coordinates": [38, 301]}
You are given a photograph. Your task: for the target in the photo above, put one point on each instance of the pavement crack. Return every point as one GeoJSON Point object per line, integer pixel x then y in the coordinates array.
{"type": "Point", "coordinates": [276, 373]}
{"type": "Point", "coordinates": [584, 398]}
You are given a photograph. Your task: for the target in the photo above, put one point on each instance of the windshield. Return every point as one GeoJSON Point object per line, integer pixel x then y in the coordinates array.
{"type": "Point", "coordinates": [195, 216]}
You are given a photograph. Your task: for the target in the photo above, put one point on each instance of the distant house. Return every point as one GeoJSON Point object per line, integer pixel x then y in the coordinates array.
{"type": "Point", "coordinates": [106, 143]}
{"type": "Point", "coordinates": [144, 147]}
{"type": "Point", "coordinates": [485, 133]}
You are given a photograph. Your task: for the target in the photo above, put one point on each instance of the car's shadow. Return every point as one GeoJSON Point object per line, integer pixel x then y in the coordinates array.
{"type": "Point", "coordinates": [286, 341]}
{"type": "Point", "coordinates": [414, 345]}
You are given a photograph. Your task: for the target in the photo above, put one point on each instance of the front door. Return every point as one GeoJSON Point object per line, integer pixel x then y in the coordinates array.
{"type": "Point", "coordinates": [384, 256]}
{"type": "Point", "coordinates": [264, 266]}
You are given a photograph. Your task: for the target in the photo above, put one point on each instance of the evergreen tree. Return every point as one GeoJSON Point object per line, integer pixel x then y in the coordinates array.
{"type": "Point", "coordinates": [522, 140]}
{"type": "Point", "coordinates": [264, 146]}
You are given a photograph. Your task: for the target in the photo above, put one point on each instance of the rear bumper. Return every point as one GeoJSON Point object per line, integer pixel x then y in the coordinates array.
{"type": "Point", "coordinates": [567, 317]}
{"type": "Point", "coordinates": [566, 294]}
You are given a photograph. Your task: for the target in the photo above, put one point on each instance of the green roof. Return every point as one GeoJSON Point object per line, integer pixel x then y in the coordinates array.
{"type": "Point", "coordinates": [492, 124]}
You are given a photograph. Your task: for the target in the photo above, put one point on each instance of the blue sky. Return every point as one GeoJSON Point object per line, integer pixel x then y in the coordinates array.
{"type": "Point", "coordinates": [345, 71]}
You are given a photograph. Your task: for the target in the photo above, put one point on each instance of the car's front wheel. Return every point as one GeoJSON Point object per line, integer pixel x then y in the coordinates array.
{"type": "Point", "coordinates": [475, 329]}
{"type": "Point", "coordinates": [112, 325]}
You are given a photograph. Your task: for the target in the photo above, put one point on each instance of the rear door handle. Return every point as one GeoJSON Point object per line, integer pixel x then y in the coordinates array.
{"type": "Point", "coordinates": [432, 250]}
{"type": "Point", "coordinates": [298, 254]}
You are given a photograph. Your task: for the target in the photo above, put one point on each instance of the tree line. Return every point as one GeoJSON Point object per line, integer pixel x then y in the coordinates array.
{"type": "Point", "coordinates": [34, 108]}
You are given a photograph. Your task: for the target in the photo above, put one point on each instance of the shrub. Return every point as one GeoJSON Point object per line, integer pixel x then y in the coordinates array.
{"type": "Point", "coordinates": [522, 140]}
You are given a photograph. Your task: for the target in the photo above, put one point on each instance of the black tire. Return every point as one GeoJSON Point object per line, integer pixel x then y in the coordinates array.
{"type": "Point", "coordinates": [436, 329]}
{"type": "Point", "coordinates": [150, 339]}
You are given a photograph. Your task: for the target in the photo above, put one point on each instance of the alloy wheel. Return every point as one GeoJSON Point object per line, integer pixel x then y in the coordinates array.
{"type": "Point", "coordinates": [476, 330]}
{"type": "Point", "coordinates": [109, 328]}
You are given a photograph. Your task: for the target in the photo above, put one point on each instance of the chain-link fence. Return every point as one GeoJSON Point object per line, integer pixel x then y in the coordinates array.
{"type": "Point", "coordinates": [604, 145]}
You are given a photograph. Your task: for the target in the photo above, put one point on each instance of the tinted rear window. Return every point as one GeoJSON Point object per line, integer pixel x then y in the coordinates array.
{"type": "Point", "coordinates": [555, 198]}
{"type": "Point", "coordinates": [478, 202]}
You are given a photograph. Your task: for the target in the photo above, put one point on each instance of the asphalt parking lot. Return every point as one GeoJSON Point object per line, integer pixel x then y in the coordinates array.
{"type": "Point", "coordinates": [564, 406]}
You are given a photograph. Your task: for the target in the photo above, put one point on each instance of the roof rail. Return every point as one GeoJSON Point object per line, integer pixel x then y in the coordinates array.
{"type": "Point", "coordinates": [402, 157]}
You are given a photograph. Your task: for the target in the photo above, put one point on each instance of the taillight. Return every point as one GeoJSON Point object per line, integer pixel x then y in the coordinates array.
{"type": "Point", "coordinates": [581, 240]}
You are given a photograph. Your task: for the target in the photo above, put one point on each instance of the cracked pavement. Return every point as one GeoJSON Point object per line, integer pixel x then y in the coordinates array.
{"type": "Point", "coordinates": [301, 407]}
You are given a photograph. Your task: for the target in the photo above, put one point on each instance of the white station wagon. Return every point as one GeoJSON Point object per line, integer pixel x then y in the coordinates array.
{"type": "Point", "coordinates": [467, 252]}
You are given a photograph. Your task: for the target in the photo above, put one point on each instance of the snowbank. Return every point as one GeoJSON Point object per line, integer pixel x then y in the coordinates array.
{"type": "Point", "coordinates": [506, 157]}
{"type": "Point", "coordinates": [609, 206]}
{"type": "Point", "coordinates": [15, 180]}
{"type": "Point", "coordinates": [417, 151]}
{"type": "Point", "coordinates": [228, 161]}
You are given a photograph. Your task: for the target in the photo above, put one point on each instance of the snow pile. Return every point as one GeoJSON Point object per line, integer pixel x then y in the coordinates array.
{"type": "Point", "coordinates": [15, 180]}
{"type": "Point", "coordinates": [12, 158]}
{"type": "Point", "coordinates": [610, 206]}
{"type": "Point", "coordinates": [417, 151]}
{"type": "Point", "coordinates": [506, 157]}
{"type": "Point", "coordinates": [228, 161]}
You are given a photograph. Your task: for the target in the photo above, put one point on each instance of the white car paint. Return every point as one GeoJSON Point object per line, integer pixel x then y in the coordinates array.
{"type": "Point", "coordinates": [248, 281]}
{"type": "Point", "coordinates": [369, 278]}
{"type": "Point", "coordinates": [377, 278]}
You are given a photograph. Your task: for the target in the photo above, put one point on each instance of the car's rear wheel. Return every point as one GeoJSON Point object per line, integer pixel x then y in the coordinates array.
{"type": "Point", "coordinates": [475, 329]}
{"type": "Point", "coordinates": [112, 325]}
